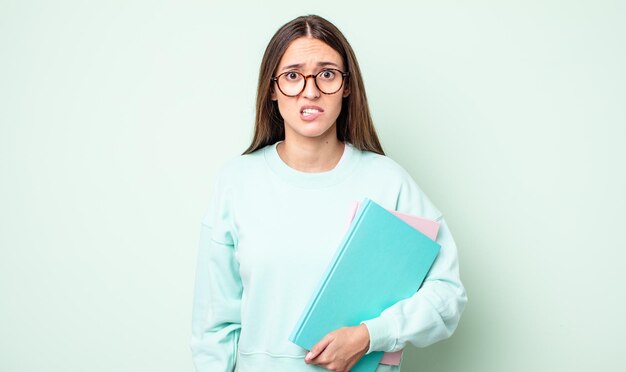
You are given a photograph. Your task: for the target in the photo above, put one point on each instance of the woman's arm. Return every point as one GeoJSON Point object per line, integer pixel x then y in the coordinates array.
{"type": "Point", "coordinates": [430, 315]}
{"type": "Point", "coordinates": [216, 317]}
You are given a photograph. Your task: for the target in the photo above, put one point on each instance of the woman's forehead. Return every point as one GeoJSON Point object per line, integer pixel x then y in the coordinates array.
{"type": "Point", "coordinates": [309, 52]}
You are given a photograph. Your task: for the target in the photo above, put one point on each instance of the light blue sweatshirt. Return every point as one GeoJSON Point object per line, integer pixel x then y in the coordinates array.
{"type": "Point", "coordinates": [267, 237]}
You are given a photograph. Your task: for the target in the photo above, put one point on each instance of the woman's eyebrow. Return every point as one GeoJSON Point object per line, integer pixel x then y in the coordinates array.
{"type": "Point", "coordinates": [289, 67]}
{"type": "Point", "coordinates": [300, 65]}
{"type": "Point", "coordinates": [324, 64]}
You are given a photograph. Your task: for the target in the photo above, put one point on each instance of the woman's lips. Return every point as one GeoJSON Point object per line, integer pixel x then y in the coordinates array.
{"type": "Point", "coordinates": [310, 113]}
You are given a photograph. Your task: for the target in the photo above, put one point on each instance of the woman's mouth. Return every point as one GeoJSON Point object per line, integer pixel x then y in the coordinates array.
{"type": "Point", "coordinates": [309, 113]}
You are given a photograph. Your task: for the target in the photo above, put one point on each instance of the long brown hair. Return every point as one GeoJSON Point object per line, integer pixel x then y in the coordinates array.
{"type": "Point", "coordinates": [354, 123]}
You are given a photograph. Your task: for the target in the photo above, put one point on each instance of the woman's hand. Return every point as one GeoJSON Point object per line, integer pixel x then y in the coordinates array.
{"type": "Point", "coordinates": [340, 349]}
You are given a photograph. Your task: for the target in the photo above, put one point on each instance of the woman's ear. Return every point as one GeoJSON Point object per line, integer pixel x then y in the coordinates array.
{"type": "Point", "coordinates": [346, 92]}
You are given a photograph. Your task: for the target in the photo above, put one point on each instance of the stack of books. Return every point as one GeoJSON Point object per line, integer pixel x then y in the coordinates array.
{"type": "Point", "coordinates": [383, 258]}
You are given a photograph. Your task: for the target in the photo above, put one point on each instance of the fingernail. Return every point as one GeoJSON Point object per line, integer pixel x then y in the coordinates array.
{"type": "Point", "coordinates": [308, 356]}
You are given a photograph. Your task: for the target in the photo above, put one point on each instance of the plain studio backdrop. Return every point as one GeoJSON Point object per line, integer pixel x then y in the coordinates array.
{"type": "Point", "coordinates": [116, 115]}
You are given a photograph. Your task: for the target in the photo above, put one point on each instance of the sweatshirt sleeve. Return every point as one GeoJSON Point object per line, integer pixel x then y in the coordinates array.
{"type": "Point", "coordinates": [216, 319]}
{"type": "Point", "coordinates": [433, 312]}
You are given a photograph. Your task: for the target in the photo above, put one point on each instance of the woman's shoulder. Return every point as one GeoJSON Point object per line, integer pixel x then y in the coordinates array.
{"type": "Point", "coordinates": [241, 167]}
{"type": "Point", "coordinates": [381, 169]}
{"type": "Point", "coordinates": [382, 165]}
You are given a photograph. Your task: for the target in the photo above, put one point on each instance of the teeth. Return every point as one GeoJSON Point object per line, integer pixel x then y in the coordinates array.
{"type": "Point", "coordinates": [307, 112]}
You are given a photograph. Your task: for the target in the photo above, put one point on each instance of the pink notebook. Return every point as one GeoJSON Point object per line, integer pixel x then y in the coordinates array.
{"type": "Point", "coordinates": [427, 227]}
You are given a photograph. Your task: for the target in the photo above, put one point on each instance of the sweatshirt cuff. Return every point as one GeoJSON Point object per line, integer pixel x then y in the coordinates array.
{"type": "Point", "coordinates": [382, 334]}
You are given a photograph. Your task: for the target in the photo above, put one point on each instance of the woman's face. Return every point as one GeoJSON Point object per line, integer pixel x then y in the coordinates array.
{"type": "Point", "coordinates": [311, 114]}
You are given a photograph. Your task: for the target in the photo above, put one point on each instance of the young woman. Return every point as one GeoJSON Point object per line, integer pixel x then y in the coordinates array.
{"type": "Point", "coordinates": [279, 212]}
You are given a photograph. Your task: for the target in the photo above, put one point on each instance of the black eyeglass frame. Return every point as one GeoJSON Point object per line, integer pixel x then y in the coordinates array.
{"type": "Point", "coordinates": [344, 75]}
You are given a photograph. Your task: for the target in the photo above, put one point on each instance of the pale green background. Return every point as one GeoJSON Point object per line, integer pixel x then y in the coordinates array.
{"type": "Point", "coordinates": [116, 115]}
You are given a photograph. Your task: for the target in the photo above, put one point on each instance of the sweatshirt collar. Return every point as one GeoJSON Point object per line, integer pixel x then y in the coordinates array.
{"type": "Point", "coordinates": [344, 167]}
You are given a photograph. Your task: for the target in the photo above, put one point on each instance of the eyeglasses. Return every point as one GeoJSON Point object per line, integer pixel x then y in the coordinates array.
{"type": "Point", "coordinates": [292, 83]}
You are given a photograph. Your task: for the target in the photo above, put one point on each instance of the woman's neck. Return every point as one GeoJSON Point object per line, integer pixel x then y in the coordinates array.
{"type": "Point", "coordinates": [311, 156]}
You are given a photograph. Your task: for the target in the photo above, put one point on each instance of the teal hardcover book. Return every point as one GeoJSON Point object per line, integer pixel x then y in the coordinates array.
{"type": "Point", "coordinates": [381, 260]}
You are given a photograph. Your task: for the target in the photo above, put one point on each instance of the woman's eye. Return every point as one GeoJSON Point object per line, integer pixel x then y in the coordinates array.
{"type": "Point", "coordinates": [292, 75]}
{"type": "Point", "coordinates": [328, 74]}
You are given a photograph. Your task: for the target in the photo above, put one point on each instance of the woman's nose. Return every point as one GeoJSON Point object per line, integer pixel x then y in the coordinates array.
{"type": "Point", "coordinates": [310, 88]}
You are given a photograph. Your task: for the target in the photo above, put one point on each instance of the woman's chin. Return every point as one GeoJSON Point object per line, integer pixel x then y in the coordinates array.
{"type": "Point", "coordinates": [311, 131]}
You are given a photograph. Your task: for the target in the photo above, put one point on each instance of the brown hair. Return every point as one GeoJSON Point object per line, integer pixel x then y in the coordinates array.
{"type": "Point", "coordinates": [354, 123]}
